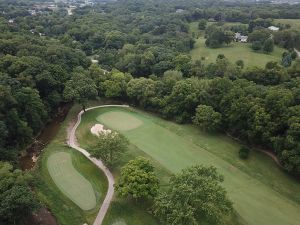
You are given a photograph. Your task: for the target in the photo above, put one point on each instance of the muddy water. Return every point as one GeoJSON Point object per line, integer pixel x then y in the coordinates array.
{"type": "Point", "coordinates": [49, 132]}
{"type": "Point", "coordinates": [27, 162]}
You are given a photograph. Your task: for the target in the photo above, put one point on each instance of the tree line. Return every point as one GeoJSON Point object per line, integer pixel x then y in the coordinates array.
{"type": "Point", "coordinates": [145, 47]}
{"type": "Point", "coordinates": [33, 75]}
{"type": "Point", "coordinates": [257, 105]}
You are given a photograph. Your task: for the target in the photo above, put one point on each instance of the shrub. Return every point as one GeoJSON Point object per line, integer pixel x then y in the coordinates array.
{"type": "Point", "coordinates": [294, 55]}
{"type": "Point", "coordinates": [202, 24]}
{"type": "Point", "coordinates": [268, 45]}
{"type": "Point", "coordinates": [256, 45]}
{"type": "Point", "coordinates": [244, 152]}
{"type": "Point", "coordinates": [207, 118]}
{"type": "Point", "coordinates": [240, 63]}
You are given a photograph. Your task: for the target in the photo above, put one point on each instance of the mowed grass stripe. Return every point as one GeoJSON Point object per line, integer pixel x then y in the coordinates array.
{"type": "Point", "coordinates": [69, 181]}
{"type": "Point", "coordinates": [253, 200]}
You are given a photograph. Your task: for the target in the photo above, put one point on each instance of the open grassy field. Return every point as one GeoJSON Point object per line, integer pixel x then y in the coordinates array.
{"type": "Point", "coordinates": [295, 23]}
{"type": "Point", "coordinates": [233, 51]}
{"type": "Point", "coordinates": [261, 192]}
{"type": "Point", "coordinates": [59, 202]}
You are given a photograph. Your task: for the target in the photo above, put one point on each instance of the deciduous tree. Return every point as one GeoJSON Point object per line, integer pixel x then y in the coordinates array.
{"type": "Point", "coordinates": [207, 118]}
{"type": "Point", "coordinates": [80, 88]}
{"type": "Point", "coordinates": [16, 198]}
{"type": "Point", "coordinates": [194, 196]}
{"type": "Point", "coordinates": [138, 180]}
{"type": "Point", "coordinates": [109, 147]}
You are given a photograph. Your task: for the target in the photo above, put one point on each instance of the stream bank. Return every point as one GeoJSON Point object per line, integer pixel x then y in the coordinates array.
{"type": "Point", "coordinates": [27, 161]}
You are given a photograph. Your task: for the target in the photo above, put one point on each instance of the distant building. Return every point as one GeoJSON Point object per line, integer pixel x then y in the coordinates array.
{"type": "Point", "coordinates": [94, 60]}
{"type": "Point", "coordinates": [11, 20]}
{"type": "Point", "coordinates": [237, 36]}
{"type": "Point", "coordinates": [244, 39]}
{"type": "Point", "coordinates": [273, 28]}
{"type": "Point", "coordinates": [52, 7]}
{"type": "Point", "coordinates": [70, 9]}
{"type": "Point", "coordinates": [32, 12]}
{"type": "Point", "coordinates": [240, 38]}
{"type": "Point", "coordinates": [179, 10]}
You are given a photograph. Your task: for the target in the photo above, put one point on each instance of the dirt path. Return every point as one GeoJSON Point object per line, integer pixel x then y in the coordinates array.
{"type": "Point", "coordinates": [268, 153]}
{"type": "Point", "coordinates": [72, 142]}
{"type": "Point", "coordinates": [272, 155]}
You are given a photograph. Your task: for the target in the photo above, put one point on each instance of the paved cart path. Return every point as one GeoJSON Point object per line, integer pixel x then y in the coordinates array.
{"type": "Point", "coordinates": [72, 142]}
{"type": "Point", "coordinates": [298, 52]}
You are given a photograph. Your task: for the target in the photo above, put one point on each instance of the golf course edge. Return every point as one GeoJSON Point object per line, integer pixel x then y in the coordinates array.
{"type": "Point", "coordinates": [111, 181]}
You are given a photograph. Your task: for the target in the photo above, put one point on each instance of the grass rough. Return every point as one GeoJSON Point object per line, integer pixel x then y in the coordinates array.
{"type": "Point", "coordinates": [261, 192]}
{"type": "Point", "coordinates": [234, 51]}
{"type": "Point", "coordinates": [64, 209]}
{"type": "Point", "coordinates": [295, 23]}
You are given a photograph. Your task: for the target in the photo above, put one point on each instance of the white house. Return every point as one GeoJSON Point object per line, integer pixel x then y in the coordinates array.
{"type": "Point", "coordinates": [237, 36]}
{"type": "Point", "coordinates": [273, 28]}
{"type": "Point", "coordinates": [32, 12]}
{"type": "Point", "coordinates": [244, 39]}
{"type": "Point", "coordinates": [240, 38]}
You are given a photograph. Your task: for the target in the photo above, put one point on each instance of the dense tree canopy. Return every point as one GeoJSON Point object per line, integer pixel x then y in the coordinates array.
{"type": "Point", "coordinates": [194, 196]}
{"type": "Point", "coordinates": [147, 41]}
{"type": "Point", "coordinates": [138, 180]}
{"type": "Point", "coordinates": [216, 36]}
{"type": "Point", "coordinates": [142, 48]}
{"type": "Point", "coordinates": [16, 198]}
{"type": "Point", "coordinates": [207, 118]}
{"type": "Point", "coordinates": [80, 88]}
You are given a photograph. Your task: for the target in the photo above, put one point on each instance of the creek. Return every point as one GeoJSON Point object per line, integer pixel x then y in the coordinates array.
{"type": "Point", "coordinates": [28, 160]}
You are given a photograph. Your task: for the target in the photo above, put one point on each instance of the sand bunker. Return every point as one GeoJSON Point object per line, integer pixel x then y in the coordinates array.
{"type": "Point", "coordinates": [98, 129]}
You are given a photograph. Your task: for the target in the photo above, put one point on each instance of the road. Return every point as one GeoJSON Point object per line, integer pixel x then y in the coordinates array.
{"type": "Point", "coordinates": [72, 142]}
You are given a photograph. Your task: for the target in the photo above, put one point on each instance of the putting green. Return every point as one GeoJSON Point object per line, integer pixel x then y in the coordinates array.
{"type": "Point", "coordinates": [175, 148]}
{"type": "Point", "coordinates": [69, 181]}
{"type": "Point", "coordinates": [120, 121]}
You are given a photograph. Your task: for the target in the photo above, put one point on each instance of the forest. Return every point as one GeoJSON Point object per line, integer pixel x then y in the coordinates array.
{"type": "Point", "coordinates": [45, 61]}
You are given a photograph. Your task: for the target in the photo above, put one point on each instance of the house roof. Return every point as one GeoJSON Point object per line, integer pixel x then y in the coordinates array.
{"type": "Point", "coordinates": [273, 28]}
{"type": "Point", "coordinates": [237, 35]}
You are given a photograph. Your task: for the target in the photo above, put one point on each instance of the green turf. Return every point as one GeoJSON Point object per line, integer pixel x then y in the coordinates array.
{"type": "Point", "coordinates": [120, 222]}
{"type": "Point", "coordinates": [234, 51]}
{"type": "Point", "coordinates": [65, 210]}
{"type": "Point", "coordinates": [120, 121]}
{"type": "Point", "coordinates": [69, 181]}
{"type": "Point", "coordinates": [295, 23]}
{"type": "Point", "coordinates": [261, 192]}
